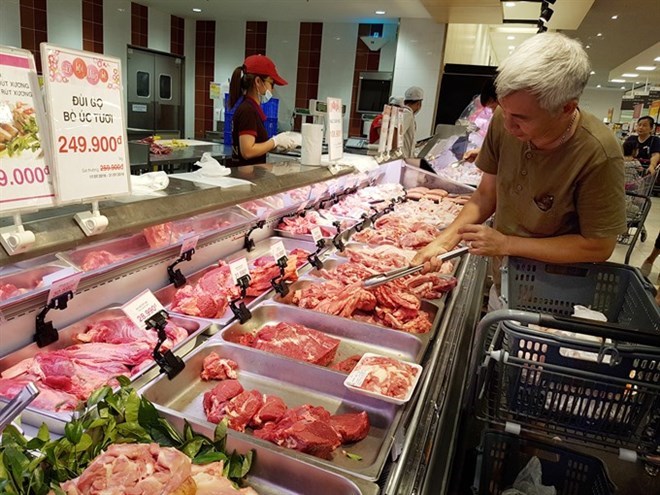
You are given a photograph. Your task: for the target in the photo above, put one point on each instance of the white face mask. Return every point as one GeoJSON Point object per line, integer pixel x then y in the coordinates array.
{"type": "Point", "coordinates": [265, 98]}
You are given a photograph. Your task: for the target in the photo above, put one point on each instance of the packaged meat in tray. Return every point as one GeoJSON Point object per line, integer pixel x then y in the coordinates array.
{"type": "Point", "coordinates": [276, 402]}
{"type": "Point", "coordinates": [274, 472]}
{"type": "Point", "coordinates": [106, 254]}
{"type": "Point", "coordinates": [211, 223]}
{"type": "Point", "coordinates": [207, 292]}
{"type": "Point", "coordinates": [88, 355]}
{"type": "Point", "coordinates": [19, 284]}
{"type": "Point", "coordinates": [321, 339]}
{"type": "Point", "coordinates": [300, 227]}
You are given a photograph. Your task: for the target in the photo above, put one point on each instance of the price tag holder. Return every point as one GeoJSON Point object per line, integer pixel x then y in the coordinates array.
{"type": "Point", "coordinates": [85, 107]}
{"type": "Point", "coordinates": [142, 307]}
{"type": "Point", "coordinates": [64, 285]}
{"type": "Point", "coordinates": [189, 244]}
{"type": "Point", "coordinates": [239, 269]}
{"type": "Point", "coordinates": [25, 173]}
{"type": "Point", "coordinates": [317, 235]}
{"type": "Point", "coordinates": [335, 129]}
{"type": "Point", "coordinates": [278, 251]}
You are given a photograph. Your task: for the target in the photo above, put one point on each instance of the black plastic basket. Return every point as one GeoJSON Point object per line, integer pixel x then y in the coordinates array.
{"type": "Point", "coordinates": [503, 455]}
{"type": "Point", "coordinates": [574, 384]}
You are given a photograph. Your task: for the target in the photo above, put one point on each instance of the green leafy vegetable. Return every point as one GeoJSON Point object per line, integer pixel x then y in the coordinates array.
{"type": "Point", "coordinates": [353, 457]}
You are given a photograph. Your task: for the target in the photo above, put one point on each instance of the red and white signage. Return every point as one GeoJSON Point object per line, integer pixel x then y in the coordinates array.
{"type": "Point", "coordinates": [335, 129]}
{"type": "Point", "coordinates": [142, 307]}
{"type": "Point", "coordinates": [64, 285]}
{"type": "Point", "coordinates": [84, 102]}
{"type": "Point", "coordinates": [25, 175]}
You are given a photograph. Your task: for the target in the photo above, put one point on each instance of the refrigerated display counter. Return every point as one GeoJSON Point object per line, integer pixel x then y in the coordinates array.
{"type": "Point", "coordinates": [408, 439]}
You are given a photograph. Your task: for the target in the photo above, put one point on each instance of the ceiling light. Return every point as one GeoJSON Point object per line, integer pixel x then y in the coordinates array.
{"type": "Point", "coordinates": [630, 74]}
{"type": "Point", "coordinates": [598, 85]}
{"type": "Point", "coordinates": [197, 10]}
{"type": "Point", "coordinates": [599, 34]}
{"type": "Point", "coordinates": [623, 87]}
{"type": "Point", "coordinates": [509, 4]}
{"type": "Point", "coordinates": [657, 59]}
{"type": "Point", "coordinates": [380, 12]}
{"type": "Point", "coordinates": [615, 17]}
{"type": "Point", "coordinates": [645, 67]}
{"type": "Point", "coordinates": [511, 47]}
{"type": "Point", "coordinates": [618, 80]}
{"type": "Point", "coordinates": [592, 72]}
{"type": "Point", "coordinates": [588, 46]}
{"type": "Point", "coordinates": [511, 37]}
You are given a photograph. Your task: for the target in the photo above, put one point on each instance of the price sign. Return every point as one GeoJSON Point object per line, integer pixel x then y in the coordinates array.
{"type": "Point", "coordinates": [25, 174]}
{"type": "Point", "coordinates": [317, 235]}
{"type": "Point", "coordinates": [142, 307]}
{"type": "Point", "coordinates": [278, 251]}
{"type": "Point", "coordinates": [188, 244]}
{"type": "Point", "coordinates": [387, 110]}
{"type": "Point", "coordinates": [239, 268]}
{"type": "Point", "coordinates": [58, 275]}
{"type": "Point", "coordinates": [335, 129]}
{"type": "Point", "coordinates": [399, 142]}
{"type": "Point", "coordinates": [394, 122]}
{"type": "Point", "coordinates": [64, 285]}
{"type": "Point", "coordinates": [85, 103]}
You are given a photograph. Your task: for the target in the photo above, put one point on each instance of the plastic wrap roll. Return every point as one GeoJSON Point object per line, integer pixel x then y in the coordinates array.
{"type": "Point", "coordinates": [312, 142]}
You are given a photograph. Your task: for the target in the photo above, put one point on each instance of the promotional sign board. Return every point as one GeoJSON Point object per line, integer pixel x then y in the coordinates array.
{"type": "Point", "coordinates": [335, 129]}
{"type": "Point", "coordinates": [25, 175]}
{"type": "Point", "coordinates": [85, 109]}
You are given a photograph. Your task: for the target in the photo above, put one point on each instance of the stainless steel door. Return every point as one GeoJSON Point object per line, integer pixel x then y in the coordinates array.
{"type": "Point", "coordinates": [155, 94]}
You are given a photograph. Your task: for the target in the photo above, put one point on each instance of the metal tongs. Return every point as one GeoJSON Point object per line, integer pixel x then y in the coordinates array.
{"type": "Point", "coordinates": [15, 406]}
{"type": "Point", "coordinates": [383, 278]}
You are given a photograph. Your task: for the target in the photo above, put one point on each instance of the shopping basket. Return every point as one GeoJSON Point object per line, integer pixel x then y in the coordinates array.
{"type": "Point", "coordinates": [597, 382]}
{"type": "Point", "coordinates": [503, 455]}
{"type": "Point", "coordinates": [638, 204]}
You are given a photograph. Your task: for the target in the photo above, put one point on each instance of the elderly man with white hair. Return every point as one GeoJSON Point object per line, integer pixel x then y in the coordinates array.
{"type": "Point", "coordinates": [553, 174]}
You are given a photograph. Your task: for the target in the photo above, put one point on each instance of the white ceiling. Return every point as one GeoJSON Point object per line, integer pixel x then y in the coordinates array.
{"type": "Point", "coordinates": [619, 50]}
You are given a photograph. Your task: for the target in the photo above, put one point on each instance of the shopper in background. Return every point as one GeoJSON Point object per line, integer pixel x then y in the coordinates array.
{"type": "Point", "coordinates": [252, 84]}
{"type": "Point", "coordinates": [553, 174]}
{"type": "Point", "coordinates": [646, 144]}
{"type": "Point", "coordinates": [647, 266]}
{"type": "Point", "coordinates": [487, 99]}
{"type": "Point", "coordinates": [412, 101]}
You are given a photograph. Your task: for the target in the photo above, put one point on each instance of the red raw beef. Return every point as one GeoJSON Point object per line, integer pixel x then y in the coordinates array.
{"type": "Point", "coordinates": [48, 398]}
{"type": "Point", "coordinates": [264, 269]}
{"type": "Point", "coordinates": [294, 341]}
{"type": "Point", "coordinates": [305, 429]}
{"type": "Point", "coordinates": [216, 368]}
{"type": "Point", "coordinates": [215, 399]}
{"type": "Point", "coordinates": [240, 410]}
{"type": "Point", "coordinates": [158, 235]}
{"type": "Point", "coordinates": [190, 301]}
{"type": "Point", "coordinates": [352, 427]}
{"type": "Point", "coordinates": [347, 365]}
{"type": "Point", "coordinates": [272, 409]}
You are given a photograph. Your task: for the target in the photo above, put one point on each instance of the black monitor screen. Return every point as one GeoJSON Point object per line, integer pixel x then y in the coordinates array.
{"type": "Point", "coordinates": [373, 95]}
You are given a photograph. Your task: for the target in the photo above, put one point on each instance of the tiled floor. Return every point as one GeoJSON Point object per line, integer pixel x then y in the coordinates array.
{"type": "Point", "coordinates": [642, 249]}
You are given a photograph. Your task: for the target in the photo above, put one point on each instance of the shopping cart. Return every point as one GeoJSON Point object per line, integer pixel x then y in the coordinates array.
{"type": "Point", "coordinates": [503, 455]}
{"type": "Point", "coordinates": [581, 380]}
{"type": "Point", "coordinates": [639, 188]}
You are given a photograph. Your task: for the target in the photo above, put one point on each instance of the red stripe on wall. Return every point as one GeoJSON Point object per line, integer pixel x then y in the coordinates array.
{"type": "Point", "coordinates": [309, 63]}
{"type": "Point", "coordinates": [92, 23]}
{"type": "Point", "coordinates": [139, 25]}
{"type": "Point", "coordinates": [177, 32]}
{"type": "Point", "coordinates": [255, 38]}
{"type": "Point", "coordinates": [204, 74]}
{"type": "Point", "coordinates": [34, 27]}
{"type": "Point", "coordinates": [365, 60]}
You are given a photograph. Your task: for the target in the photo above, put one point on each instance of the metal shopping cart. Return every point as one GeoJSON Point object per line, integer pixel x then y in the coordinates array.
{"type": "Point", "coordinates": [582, 381]}
{"type": "Point", "coordinates": [639, 189]}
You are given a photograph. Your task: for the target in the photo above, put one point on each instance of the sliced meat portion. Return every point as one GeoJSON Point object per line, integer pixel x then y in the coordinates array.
{"type": "Point", "coordinates": [98, 259]}
{"type": "Point", "coordinates": [215, 399]}
{"type": "Point", "coordinates": [352, 427]}
{"type": "Point", "coordinates": [347, 365]}
{"type": "Point", "coordinates": [216, 368]}
{"type": "Point", "coordinates": [273, 409]}
{"type": "Point", "coordinates": [294, 341]}
{"type": "Point", "coordinates": [240, 410]}
{"type": "Point", "coordinates": [48, 398]}
{"type": "Point", "coordinates": [387, 376]}
{"type": "Point", "coordinates": [210, 481]}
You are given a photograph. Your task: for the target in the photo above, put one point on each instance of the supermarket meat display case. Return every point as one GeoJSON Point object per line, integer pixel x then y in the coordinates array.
{"type": "Point", "coordinates": [411, 448]}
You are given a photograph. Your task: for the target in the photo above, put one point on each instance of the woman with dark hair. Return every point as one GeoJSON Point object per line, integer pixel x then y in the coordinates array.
{"type": "Point", "coordinates": [252, 84]}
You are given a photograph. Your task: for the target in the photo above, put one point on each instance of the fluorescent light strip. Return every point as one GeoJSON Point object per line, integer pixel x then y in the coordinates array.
{"type": "Point", "coordinates": [645, 67]}
{"type": "Point", "coordinates": [630, 74]}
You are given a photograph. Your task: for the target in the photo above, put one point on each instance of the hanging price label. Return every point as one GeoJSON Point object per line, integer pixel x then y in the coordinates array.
{"type": "Point", "coordinates": [239, 268]}
{"type": "Point", "coordinates": [188, 244]}
{"type": "Point", "coordinates": [278, 251]}
{"type": "Point", "coordinates": [64, 285]}
{"type": "Point", "coordinates": [317, 235]}
{"type": "Point", "coordinates": [58, 275]}
{"type": "Point", "coordinates": [335, 129]}
{"type": "Point", "coordinates": [261, 212]}
{"type": "Point", "coordinates": [142, 307]}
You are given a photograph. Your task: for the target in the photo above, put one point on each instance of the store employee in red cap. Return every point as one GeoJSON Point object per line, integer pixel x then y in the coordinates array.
{"type": "Point", "coordinates": [252, 84]}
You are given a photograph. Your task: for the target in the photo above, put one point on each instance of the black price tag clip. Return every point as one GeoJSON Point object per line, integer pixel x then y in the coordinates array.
{"type": "Point", "coordinates": [175, 276]}
{"type": "Point", "coordinates": [248, 244]}
{"type": "Point", "coordinates": [278, 283]}
{"type": "Point", "coordinates": [239, 309]}
{"type": "Point", "coordinates": [46, 333]}
{"type": "Point", "coordinates": [168, 362]}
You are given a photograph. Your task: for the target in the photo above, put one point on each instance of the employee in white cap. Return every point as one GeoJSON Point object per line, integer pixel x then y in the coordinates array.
{"type": "Point", "coordinates": [412, 101]}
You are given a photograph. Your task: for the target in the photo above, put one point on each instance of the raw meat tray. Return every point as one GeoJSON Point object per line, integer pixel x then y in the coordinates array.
{"type": "Point", "coordinates": [56, 420]}
{"type": "Point", "coordinates": [297, 384]}
{"type": "Point", "coordinates": [261, 248]}
{"type": "Point", "coordinates": [433, 308]}
{"type": "Point", "coordinates": [274, 472]}
{"type": "Point", "coordinates": [355, 337]}
{"type": "Point", "coordinates": [207, 224]}
{"type": "Point", "coordinates": [30, 279]}
{"type": "Point", "coordinates": [308, 237]}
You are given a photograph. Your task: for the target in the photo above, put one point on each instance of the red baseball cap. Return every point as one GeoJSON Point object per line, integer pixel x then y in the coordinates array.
{"type": "Point", "coordinates": [261, 65]}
